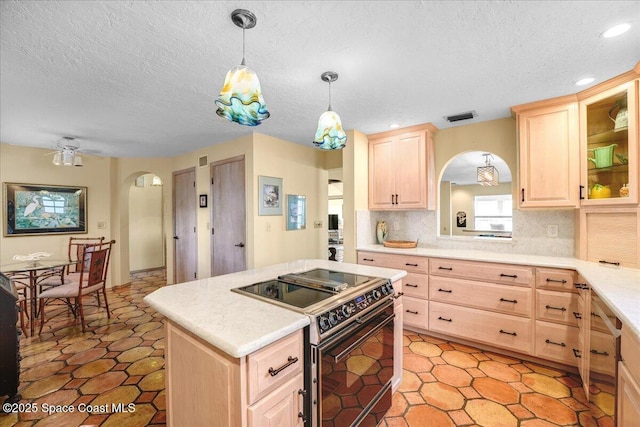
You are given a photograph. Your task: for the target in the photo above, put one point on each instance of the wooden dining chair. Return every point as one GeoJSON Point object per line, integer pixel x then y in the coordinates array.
{"type": "Point", "coordinates": [91, 279]}
{"type": "Point", "coordinates": [75, 249]}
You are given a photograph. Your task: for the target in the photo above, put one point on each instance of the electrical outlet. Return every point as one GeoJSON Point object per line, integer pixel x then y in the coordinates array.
{"type": "Point", "coordinates": [552, 231]}
{"type": "Point", "coordinates": [317, 224]}
{"type": "Point", "coordinates": [396, 225]}
{"type": "Point", "coordinates": [102, 225]}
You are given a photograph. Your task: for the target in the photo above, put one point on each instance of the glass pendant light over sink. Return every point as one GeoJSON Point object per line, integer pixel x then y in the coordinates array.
{"type": "Point", "coordinates": [488, 175]}
{"type": "Point", "coordinates": [330, 135]}
{"type": "Point", "coordinates": [240, 99]}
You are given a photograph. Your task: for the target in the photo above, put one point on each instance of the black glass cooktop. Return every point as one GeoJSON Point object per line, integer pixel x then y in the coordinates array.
{"type": "Point", "coordinates": [286, 293]}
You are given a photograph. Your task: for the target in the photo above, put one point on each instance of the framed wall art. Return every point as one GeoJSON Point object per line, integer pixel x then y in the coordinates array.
{"type": "Point", "coordinates": [296, 212]}
{"type": "Point", "coordinates": [35, 209]}
{"type": "Point", "coordinates": [269, 195]}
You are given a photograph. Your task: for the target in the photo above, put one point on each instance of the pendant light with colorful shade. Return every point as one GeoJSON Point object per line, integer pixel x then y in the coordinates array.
{"type": "Point", "coordinates": [240, 99]}
{"type": "Point", "coordinates": [330, 135]}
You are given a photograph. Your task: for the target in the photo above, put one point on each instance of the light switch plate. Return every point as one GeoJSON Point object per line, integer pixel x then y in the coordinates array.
{"type": "Point", "coordinates": [102, 225]}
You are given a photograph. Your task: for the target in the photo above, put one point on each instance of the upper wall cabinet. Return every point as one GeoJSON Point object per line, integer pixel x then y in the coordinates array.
{"type": "Point", "coordinates": [548, 153]}
{"type": "Point", "coordinates": [609, 144]}
{"type": "Point", "coordinates": [402, 169]}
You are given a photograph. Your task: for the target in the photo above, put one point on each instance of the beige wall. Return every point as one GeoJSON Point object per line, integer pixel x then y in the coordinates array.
{"type": "Point", "coordinates": [495, 136]}
{"type": "Point", "coordinates": [146, 232]}
{"type": "Point", "coordinates": [33, 166]}
{"type": "Point", "coordinates": [355, 171]}
{"type": "Point", "coordinates": [302, 171]}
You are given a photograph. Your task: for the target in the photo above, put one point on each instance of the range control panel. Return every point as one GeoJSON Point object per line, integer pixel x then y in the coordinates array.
{"type": "Point", "coordinates": [350, 309]}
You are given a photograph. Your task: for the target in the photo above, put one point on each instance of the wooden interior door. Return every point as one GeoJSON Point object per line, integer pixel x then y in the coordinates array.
{"type": "Point", "coordinates": [228, 216]}
{"type": "Point", "coordinates": [184, 217]}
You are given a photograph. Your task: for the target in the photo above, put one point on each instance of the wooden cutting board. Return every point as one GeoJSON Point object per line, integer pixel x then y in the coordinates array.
{"type": "Point", "coordinates": [406, 244]}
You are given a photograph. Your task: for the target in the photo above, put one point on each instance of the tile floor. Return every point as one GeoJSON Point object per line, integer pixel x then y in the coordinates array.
{"type": "Point", "coordinates": [120, 360]}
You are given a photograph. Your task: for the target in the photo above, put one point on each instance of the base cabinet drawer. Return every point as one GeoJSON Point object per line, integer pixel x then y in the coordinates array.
{"type": "Point", "coordinates": [500, 330]}
{"type": "Point", "coordinates": [416, 312]}
{"type": "Point", "coordinates": [603, 350]}
{"type": "Point", "coordinates": [284, 357]}
{"type": "Point", "coordinates": [416, 285]}
{"type": "Point", "coordinates": [515, 300]}
{"type": "Point", "coordinates": [555, 279]}
{"type": "Point", "coordinates": [485, 271]}
{"type": "Point", "coordinates": [556, 342]}
{"type": "Point", "coordinates": [557, 307]}
{"type": "Point", "coordinates": [409, 263]}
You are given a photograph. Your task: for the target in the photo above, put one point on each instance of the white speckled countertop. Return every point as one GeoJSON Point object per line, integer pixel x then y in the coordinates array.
{"type": "Point", "coordinates": [235, 323]}
{"type": "Point", "coordinates": [618, 287]}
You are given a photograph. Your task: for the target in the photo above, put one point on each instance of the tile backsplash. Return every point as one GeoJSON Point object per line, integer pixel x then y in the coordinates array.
{"type": "Point", "coordinates": [529, 232]}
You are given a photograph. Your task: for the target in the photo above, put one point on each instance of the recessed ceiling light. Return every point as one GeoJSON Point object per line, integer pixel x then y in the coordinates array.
{"type": "Point", "coordinates": [394, 126]}
{"type": "Point", "coordinates": [585, 81]}
{"type": "Point", "coordinates": [616, 30]}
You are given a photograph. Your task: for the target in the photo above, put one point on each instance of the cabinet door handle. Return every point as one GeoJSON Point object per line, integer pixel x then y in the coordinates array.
{"type": "Point", "coordinates": [412, 312]}
{"type": "Point", "coordinates": [410, 285]}
{"type": "Point", "coordinates": [445, 268]}
{"type": "Point", "coordinates": [367, 259]}
{"type": "Point", "coordinates": [577, 315]}
{"type": "Point", "coordinates": [556, 280]}
{"type": "Point", "coordinates": [601, 353]}
{"type": "Point", "coordinates": [410, 264]}
{"type": "Point", "coordinates": [513, 276]}
{"type": "Point", "coordinates": [290, 361]}
{"type": "Point", "coordinates": [581, 198]}
{"type": "Point", "coordinates": [581, 286]}
{"type": "Point", "coordinates": [398, 295]}
{"type": "Point", "coordinates": [523, 194]}
{"type": "Point", "coordinates": [514, 301]}
{"type": "Point", "coordinates": [396, 199]}
{"type": "Point", "coordinates": [550, 307]}
{"type": "Point", "coordinates": [445, 319]}
{"type": "Point", "coordinates": [602, 261]}
{"type": "Point", "coordinates": [561, 344]}
{"type": "Point", "coordinates": [392, 201]}
{"type": "Point", "coordinates": [445, 290]}
{"type": "Point", "coordinates": [508, 333]}
{"type": "Point", "coordinates": [576, 353]}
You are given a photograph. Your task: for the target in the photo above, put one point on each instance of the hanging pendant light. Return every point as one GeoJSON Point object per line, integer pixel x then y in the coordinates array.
{"type": "Point", "coordinates": [330, 135]}
{"type": "Point", "coordinates": [488, 175]}
{"type": "Point", "coordinates": [240, 99]}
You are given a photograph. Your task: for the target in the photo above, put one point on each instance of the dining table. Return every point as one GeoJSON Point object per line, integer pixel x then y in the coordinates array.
{"type": "Point", "coordinates": [31, 273]}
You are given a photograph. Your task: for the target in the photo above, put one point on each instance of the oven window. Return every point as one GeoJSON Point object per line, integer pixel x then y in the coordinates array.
{"type": "Point", "coordinates": [355, 370]}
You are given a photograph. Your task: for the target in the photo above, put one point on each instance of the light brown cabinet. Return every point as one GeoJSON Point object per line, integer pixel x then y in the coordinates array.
{"type": "Point", "coordinates": [402, 169]}
{"type": "Point", "coordinates": [205, 386]}
{"type": "Point", "coordinates": [609, 143]}
{"type": "Point", "coordinates": [628, 410]}
{"type": "Point", "coordinates": [609, 235]}
{"type": "Point", "coordinates": [548, 153]}
{"type": "Point", "coordinates": [557, 313]}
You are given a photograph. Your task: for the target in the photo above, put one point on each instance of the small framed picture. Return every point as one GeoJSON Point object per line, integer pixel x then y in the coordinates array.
{"type": "Point", "coordinates": [269, 195]}
{"type": "Point", "coordinates": [203, 200]}
{"type": "Point", "coordinates": [296, 212]}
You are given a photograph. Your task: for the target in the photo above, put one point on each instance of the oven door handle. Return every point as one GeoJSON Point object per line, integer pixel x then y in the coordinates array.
{"type": "Point", "coordinates": [346, 351]}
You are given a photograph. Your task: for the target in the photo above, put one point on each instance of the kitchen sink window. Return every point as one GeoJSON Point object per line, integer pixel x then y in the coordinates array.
{"type": "Point", "coordinates": [493, 213]}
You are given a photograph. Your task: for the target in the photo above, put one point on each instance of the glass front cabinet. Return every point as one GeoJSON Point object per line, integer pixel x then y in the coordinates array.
{"type": "Point", "coordinates": [609, 146]}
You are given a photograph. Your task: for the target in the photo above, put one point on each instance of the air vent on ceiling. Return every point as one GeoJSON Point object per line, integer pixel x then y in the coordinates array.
{"type": "Point", "coordinates": [202, 161]}
{"type": "Point", "coordinates": [462, 116]}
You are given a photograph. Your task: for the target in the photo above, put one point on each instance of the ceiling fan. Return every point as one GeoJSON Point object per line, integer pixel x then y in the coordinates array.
{"type": "Point", "coordinates": [67, 152]}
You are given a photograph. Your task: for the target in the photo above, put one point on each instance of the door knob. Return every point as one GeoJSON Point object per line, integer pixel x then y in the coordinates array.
{"type": "Point", "coordinates": [240, 245]}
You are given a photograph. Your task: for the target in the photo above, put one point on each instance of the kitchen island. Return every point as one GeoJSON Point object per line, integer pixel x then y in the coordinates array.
{"type": "Point", "coordinates": [217, 341]}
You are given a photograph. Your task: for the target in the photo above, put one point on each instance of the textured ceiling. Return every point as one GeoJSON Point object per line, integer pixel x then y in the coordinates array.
{"type": "Point", "coordinates": [139, 79]}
